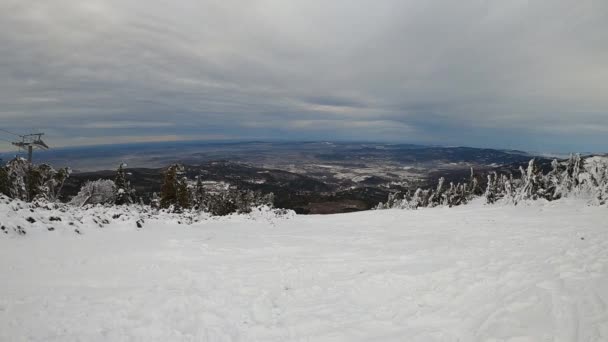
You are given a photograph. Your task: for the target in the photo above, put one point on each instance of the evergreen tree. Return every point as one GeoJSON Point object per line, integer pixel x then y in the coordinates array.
{"type": "Point", "coordinates": [4, 182]}
{"type": "Point", "coordinates": [168, 190]}
{"type": "Point", "coordinates": [223, 203]}
{"type": "Point", "coordinates": [34, 182]}
{"type": "Point", "coordinates": [199, 194]}
{"type": "Point", "coordinates": [183, 194]}
{"type": "Point", "coordinates": [124, 193]}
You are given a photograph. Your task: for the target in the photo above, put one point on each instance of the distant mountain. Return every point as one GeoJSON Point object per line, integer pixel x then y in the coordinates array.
{"type": "Point", "coordinates": [275, 154]}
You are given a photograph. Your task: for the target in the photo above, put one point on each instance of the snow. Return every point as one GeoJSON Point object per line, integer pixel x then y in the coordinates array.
{"type": "Point", "coordinates": [535, 272]}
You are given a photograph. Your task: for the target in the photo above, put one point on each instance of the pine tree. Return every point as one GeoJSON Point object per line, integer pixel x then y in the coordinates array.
{"type": "Point", "coordinates": [168, 191]}
{"type": "Point", "coordinates": [199, 194]}
{"type": "Point", "coordinates": [124, 194]}
{"type": "Point", "coordinates": [4, 182]}
{"type": "Point", "coordinates": [183, 194]}
{"type": "Point", "coordinates": [34, 182]}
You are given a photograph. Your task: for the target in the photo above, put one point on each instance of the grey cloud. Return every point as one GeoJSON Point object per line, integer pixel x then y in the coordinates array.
{"type": "Point", "coordinates": [335, 101]}
{"type": "Point", "coordinates": [474, 72]}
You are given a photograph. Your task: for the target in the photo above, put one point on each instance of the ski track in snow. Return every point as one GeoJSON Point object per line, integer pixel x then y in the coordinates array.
{"type": "Point", "coordinates": [471, 273]}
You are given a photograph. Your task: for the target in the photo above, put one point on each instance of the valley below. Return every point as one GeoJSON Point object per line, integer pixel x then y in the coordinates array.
{"type": "Point", "coordinates": [307, 177]}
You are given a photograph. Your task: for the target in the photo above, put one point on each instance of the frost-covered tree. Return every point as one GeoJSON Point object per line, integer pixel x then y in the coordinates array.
{"type": "Point", "coordinates": [17, 170]}
{"type": "Point", "coordinates": [44, 182]}
{"type": "Point", "coordinates": [586, 178]}
{"type": "Point", "coordinates": [492, 192]}
{"type": "Point", "coordinates": [155, 201]}
{"type": "Point", "coordinates": [437, 198]}
{"type": "Point", "coordinates": [593, 180]}
{"type": "Point", "coordinates": [56, 182]}
{"type": "Point", "coordinates": [420, 199]}
{"type": "Point", "coordinates": [474, 188]}
{"type": "Point", "coordinates": [553, 181]}
{"type": "Point", "coordinates": [21, 180]}
{"type": "Point", "coordinates": [532, 183]}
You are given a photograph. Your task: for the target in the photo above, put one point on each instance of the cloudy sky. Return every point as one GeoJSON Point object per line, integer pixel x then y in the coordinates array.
{"type": "Point", "coordinates": [528, 74]}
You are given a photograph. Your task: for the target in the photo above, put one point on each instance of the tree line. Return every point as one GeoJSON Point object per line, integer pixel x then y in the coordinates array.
{"type": "Point", "coordinates": [574, 176]}
{"type": "Point", "coordinates": [21, 180]}
{"type": "Point", "coordinates": [571, 177]}
{"type": "Point", "coordinates": [27, 182]}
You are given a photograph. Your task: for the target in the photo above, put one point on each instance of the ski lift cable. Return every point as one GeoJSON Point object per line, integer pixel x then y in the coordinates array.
{"type": "Point", "coordinates": [9, 132]}
{"type": "Point", "coordinates": [8, 141]}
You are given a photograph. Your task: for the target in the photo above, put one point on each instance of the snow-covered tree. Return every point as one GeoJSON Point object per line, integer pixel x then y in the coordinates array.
{"type": "Point", "coordinates": [5, 184]}
{"type": "Point", "coordinates": [21, 180]}
{"type": "Point", "coordinates": [17, 170]}
{"type": "Point", "coordinates": [168, 190]}
{"type": "Point", "coordinates": [124, 193]}
{"type": "Point", "coordinates": [155, 201]}
{"type": "Point", "coordinates": [44, 182]}
{"type": "Point", "coordinates": [532, 184]}
{"type": "Point", "coordinates": [183, 194]}
{"type": "Point", "coordinates": [199, 193]}
{"type": "Point", "coordinates": [585, 178]}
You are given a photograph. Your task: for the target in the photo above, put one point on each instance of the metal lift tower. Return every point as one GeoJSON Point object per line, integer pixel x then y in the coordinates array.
{"type": "Point", "coordinates": [29, 142]}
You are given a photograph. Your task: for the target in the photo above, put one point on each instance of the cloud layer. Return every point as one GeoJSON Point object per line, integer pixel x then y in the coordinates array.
{"type": "Point", "coordinates": [516, 74]}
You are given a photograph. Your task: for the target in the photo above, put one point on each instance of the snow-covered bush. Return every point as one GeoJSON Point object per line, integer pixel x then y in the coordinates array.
{"type": "Point", "coordinates": [269, 213]}
{"type": "Point", "coordinates": [452, 195]}
{"type": "Point", "coordinates": [102, 191]}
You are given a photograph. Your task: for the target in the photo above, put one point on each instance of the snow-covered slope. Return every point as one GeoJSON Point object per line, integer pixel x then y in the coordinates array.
{"type": "Point", "coordinates": [474, 273]}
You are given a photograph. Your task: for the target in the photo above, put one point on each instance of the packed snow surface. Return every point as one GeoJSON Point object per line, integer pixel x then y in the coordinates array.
{"type": "Point", "coordinates": [534, 272]}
